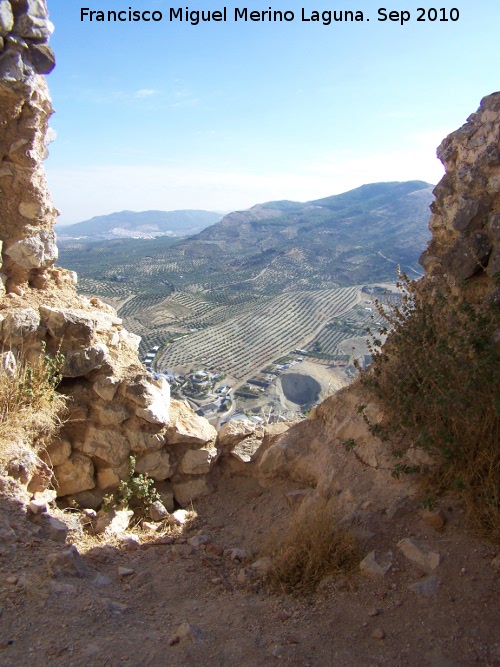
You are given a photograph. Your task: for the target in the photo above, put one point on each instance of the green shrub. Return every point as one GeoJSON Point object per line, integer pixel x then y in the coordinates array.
{"type": "Point", "coordinates": [438, 378]}
{"type": "Point", "coordinates": [137, 491]}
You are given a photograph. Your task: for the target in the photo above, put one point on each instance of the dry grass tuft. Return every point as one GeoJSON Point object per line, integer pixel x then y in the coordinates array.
{"type": "Point", "coordinates": [314, 547]}
{"type": "Point", "coordinates": [30, 407]}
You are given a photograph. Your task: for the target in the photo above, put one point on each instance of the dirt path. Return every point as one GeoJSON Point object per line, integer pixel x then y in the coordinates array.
{"type": "Point", "coordinates": [104, 618]}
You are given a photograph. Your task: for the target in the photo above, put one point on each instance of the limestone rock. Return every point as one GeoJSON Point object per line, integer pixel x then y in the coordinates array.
{"type": "Point", "coordinates": [156, 464]}
{"type": "Point", "coordinates": [72, 327]}
{"type": "Point", "coordinates": [188, 427]}
{"type": "Point", "coordinates": [107, 478]}
{"type": "Point", "coordinates": [81, 362]}
{"type": "Point", "coordinates": [114, 522]}
{"type": "Point", "coordinates": [11, 66]}
{"type": "Point", "coordinates": [43, 58]}
{"type": "Point", "coordinates": [419, 554]}
{"type": "Point", "coordinates": [186, 632]}
{"type": "Point", "coordinates": [164, 488]}
{"type": "Point", "coordinates": [157, 511]}
{"type": "Point", "coordinates": [8, 363]}
{"type": "Point", "coordinates": [141, 441]}
{"type": "Point", "coordinates": [189, 489]}
{"type": "Point", "coordinates": [198, 461]}
{"type": "Point", "coordinates": [427, 586]}
{"type": "Point", "coordinates": [247, 449]}
{"type": "Point", "coordinates": [107, 445]}
{"type": "Point", "coordinates": [66, 563]}
{"type": "Point", "coordinates": [56, 529]}
{"type": "Point", "coordinates": [106, 386]}
{"type": "Point", "coordinates": [6, 18]}
{"type": "Point", "coordinates": [74, 475]}
{"type": "Point", "coordinates": [435, 519]}
{"type": "Point", "coordinates": [57, 453]}
{"type": "Point", "coordinates": [370, 567]}
{"type": "Point", "coordinates": [111, 414]}
{"type": "Point", "coordinates": [153, 402]}
{"type": "Point", "coordinates": [30, 470]}
{"type": "Point", "coordinates": [34, 252]}
{"type": "Point", "coordinates": [233, 432]}
{"type": "Point", "coordinates": [33, 27]}
{"type": "Point", "coordinates": [262, 566]}
{"type": "Point", "coordinates": [468, 256]}
{"type": "Point", "coordinates": [19, 324]}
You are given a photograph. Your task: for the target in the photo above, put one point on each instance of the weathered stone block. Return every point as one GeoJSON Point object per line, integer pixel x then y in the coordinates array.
{"type": "Point", "coordinates": [198, 461]}
{"type": "Point", "coordinates": [233, 432]}
{"type": "Point", "coordinates": [111, 414]}
{"type": "Point", "coordinates": [156, 464]}
{"type": "Point", "coordinates": [58, 452]}
{"type": "Point", "coordinates": [156, 410]}
{"type": "Point", "coordinates": [419, 554]}
{"type": "Point", "coordinates": [247, 450]}
{"type": "Point", "coordinates": [187, 490]}
{"type": "Point", "coordinates": [72, 327]}
{"type": "Point", "coordinates": [188, 427]}
{"type": "Point", "coordinates": [81, 362]}
{"type": "Point", "coordinates": [6, 18]}
{"type": "Point", "coordinates": [33, 27]}
{"type": "Point", "coordinates": [107, 445]}
{"type": "Point", "coordinates": [74, 475]}
{"type": "Point", "coordinates": [468, 256]}
{"type": "Point", "coordinates": [105, 387]}
{"type": "Point", "coordinates": [37, 251]}
{"type": "Point", "coordinates": [19, 324]}
{"type": "Point", "coordinates": [42, 57]}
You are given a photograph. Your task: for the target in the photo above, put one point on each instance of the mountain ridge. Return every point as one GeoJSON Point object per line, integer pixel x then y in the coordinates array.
{"type": "Point", "coordinates": [140, 224]}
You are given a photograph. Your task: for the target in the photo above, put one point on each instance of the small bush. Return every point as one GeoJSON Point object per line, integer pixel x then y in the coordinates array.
{"type": "Point", "coordinates": [438, 378]}
{"type": "Point", "coordinates": [137, 491]}
{"type": "Point", "coordinates": [313, 547]}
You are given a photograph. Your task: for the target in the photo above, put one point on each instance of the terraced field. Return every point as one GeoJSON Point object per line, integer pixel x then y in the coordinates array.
{"type": "Point", "coordinates": [353, 323]}
{"type": "Point", "coordinates": [241, 345]}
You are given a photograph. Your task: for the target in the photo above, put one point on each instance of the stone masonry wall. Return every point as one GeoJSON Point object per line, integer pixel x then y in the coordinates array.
{"type": "Point", "coordinates": [115, 408]}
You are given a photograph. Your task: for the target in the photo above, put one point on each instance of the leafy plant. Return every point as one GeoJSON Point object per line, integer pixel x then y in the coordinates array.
{"type": "Point", "coordinates": [137, 491]}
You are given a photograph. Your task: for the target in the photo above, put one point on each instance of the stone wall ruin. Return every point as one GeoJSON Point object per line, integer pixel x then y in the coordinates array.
{"type": "Point", "coordinates": [115, 408]}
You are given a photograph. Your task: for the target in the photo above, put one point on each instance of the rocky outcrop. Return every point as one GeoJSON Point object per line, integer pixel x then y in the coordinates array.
{"type": "Point", "coordinates": [115, 408]}
{"type": "Point", "coordinates": [463, 256]}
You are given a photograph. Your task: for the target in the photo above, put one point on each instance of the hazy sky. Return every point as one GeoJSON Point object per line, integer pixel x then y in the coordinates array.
{"type": "Point", "coordinates": [223, 115]}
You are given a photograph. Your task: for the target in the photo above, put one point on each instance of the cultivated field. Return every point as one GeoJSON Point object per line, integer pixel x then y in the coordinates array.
{"type": "Point", "coordinates": [241, 345]}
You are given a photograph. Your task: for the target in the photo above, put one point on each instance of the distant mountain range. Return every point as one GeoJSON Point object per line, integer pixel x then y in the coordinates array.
{"type": "Point", "coordinates": [355, 237]}
{"type": "Point", "coordinates": [139, 225]}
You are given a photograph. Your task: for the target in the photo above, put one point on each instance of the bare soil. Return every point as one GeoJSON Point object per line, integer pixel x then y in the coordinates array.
{"type": "Point", "coordinates": [104, 619]}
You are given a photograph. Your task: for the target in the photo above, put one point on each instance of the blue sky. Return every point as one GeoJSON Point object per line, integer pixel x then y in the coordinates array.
{"type": "Point", "coordinates": [221, 116]}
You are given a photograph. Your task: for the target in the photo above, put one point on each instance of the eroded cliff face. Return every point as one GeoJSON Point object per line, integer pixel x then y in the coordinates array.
{"type": "Point", "coordinates": [115, 408]}
{"type": "Point", "coordinates": [463, 256]}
